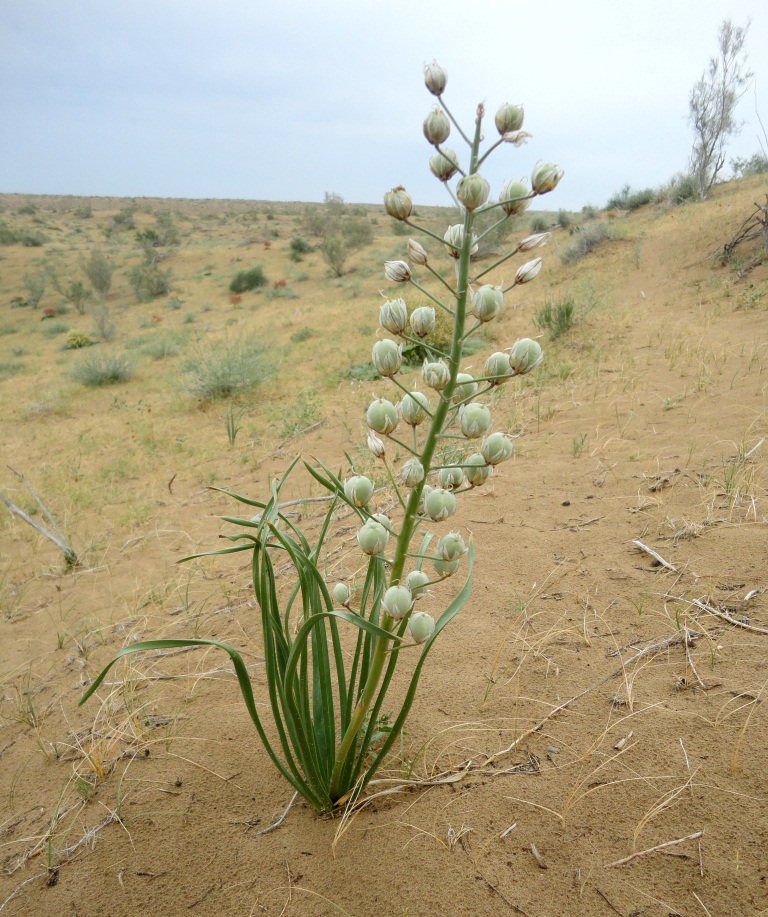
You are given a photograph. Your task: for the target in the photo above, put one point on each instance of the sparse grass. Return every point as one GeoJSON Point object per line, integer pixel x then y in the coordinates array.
{"type": "Point", "coordinates": [585, 241]}
{"type": "Point", "coordinates": [556, 316]}
{"type": "Point", "coordinates": [97, 370]}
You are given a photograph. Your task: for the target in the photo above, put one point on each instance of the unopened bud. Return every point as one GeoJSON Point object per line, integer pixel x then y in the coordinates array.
{"type": "Point", "coordinates": [417, 582]}
{"type": "Point", "coordinates": [426, 490]}
{"type": "Point", "coordinates": [358, 490]}
{"type": "Point", "coordinates": [537, 240]}
{"type": "Point", "coordinates": [436, 375]}
{"type": "Point", "coordinates": [476, 471]}
{"type": "Point", "coordinates": [472, 191]}
{"type": "Point", "coordinates": [454, 239]}
{"type": "Point", "coordinates": [496, 448]}
{"type": "Point", "coordinates": [384, 520]}
{"type": "Point", "coordinates": [387, 357]}
{"type": "Point", "coordinates": [413, 408]}
{"type": "Point", "coordinates": [451, 546]}
{"type": "Point", "coordinates": [398, 203]}
{"type": "Point", "coordinates": [509, 118]}
{"type": "Point", "coordinates": [474, 420]}
{"type": "Point", "coordinates": [376, 446]}
{"type": "Point", "coordinates": [421, 626]}
{"type": "Point", "coordinates": [466, 387]}
{"type": "Point", "coordinates": [525, 355]}
{"type": "Point", "coordinates": [445, 568]}
{"type": "Point", "coordinates": [486, 302]}
{"type": "Point", "coordinates": [437, 127]}
{"type": "Point", "coordinates": [382, 416]}
{"type": "Point", "coordinates": [545, 176]}
{"type": "Point", "coordinates": [435, 78]}
{"type": "Point", "coordinates": [440, 504]}
{"type": "Point", "coordinates": [497, 368]}
{"type": "Point", "coordinates": [444, 165]}
{"type": "Point", "coordinates": [372, 537]}
{"type": "Point", "coordinates": [451, 477]}
{"type": "Point", "coordinates": [397, 602]}
{"type": "Point", "coordinates": [397, 271]}
{"type": "Point", "coordinates": [393, 316]}
{"type": "Point", "coordinates": [412, 473]}
{"type": "Point", "coordinates": [528, 271]}
{"type": "Point", "coordinates": [341, 594]}
{"type": "Point", "coordinates": [515, 196]}
{"type": "Point", "coordinates": [422, 321]}
{"type": "Point", "coordinates": [417, 253]}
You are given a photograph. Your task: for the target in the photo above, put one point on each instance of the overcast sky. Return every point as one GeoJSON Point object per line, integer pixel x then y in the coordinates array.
{"type": "Point", "coordinates": [287, 99]}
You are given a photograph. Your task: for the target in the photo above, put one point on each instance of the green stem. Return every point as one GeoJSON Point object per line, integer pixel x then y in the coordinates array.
{"type": "Point", "coordinates": [433, 298]}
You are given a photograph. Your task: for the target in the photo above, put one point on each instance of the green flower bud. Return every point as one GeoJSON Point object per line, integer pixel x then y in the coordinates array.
{"type": "Point", "coordinates": [358, 490]}
{"type": "Point", "coordinates": [497, 365]}
{"type": "Point", "coordinates": [425, 492]}
{"type": "Point", "coordinates": [472, 191]}
{"type": "Point", "coordinates": [397, 602]}
{"type": "Point", "coordinates": [341, 594]}
{"type": "Point", "coordinates": [372, 537]}
{"type": "Point", "coordinates": [417, 253]}
{"type": "Point", "coordinates": [376, 446]}
{"type": "Point", "coordinates": [476, 471]}
{"type": "Point", "coordinates": [451, 546]}
{"type": "Point", "coordinates": [509, 118]}
{"type": "Point", "coordinates": [397, 271]}
{"type": "Point", "coordinates": [496, 448]}
{"type": "Point", "coordinates": [444, 165]}
{"type": "Point", "coordinates": [537, 240]}
{"type": "Point", "coordinates": [412, 473]}
{"type": "Point", "coordinates": [474, 419]}
{"type": "Point", "coordinates": [465, 387]}
{"type": "Point", "coordinates": [413, 408]}
{"type": "Point", "coordinates": [545, 176]}
{"type": "Point", "coordinates": [398, 203]}
{"type": "Point", "coordinates": [440, 504]}
{"type": "Point", "coordinates": [421, 626]}
{"type": "Point", "coordinates": [387, 357]}
{"type": "Point", "coordinates": [525, 355]}
{"type": "Point", "coordinates": [445, 567]}
{"type": "Point", "coordinates": [381, 416]}
{"type": "Point", "coordinates": [436, 375]}
{"type": "Point", "coordinates": [417, 582]}
{"type": "Point", "coordinates": [422, 321]}
{"type": "Point", "coordinates": [384, 520]}
{"type": "Point", "coordinates": [437, 127]}
{"type": "Point", "coordinates": [451, 477]}
{"type": "Point", "coordinates": [486, 302]}
{"type": "Point", "coordinates": [435, 78]}
{"type": "Point", "coordinates": [528, 271]}
{"type": "Point", "coordinates": [515, 196]}
{"type": "Point", "coordinates": [454, 238]}
{"type": "Point", "coordinates": [393, 316]}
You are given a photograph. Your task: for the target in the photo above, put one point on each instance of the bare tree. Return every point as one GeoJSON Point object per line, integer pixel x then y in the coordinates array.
{"type": "Point", "coordinates": [712, 104]}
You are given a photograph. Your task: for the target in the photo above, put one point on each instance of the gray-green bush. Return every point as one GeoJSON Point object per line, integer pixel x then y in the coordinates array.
{"type": "Point", "coordinates": [222, 369]}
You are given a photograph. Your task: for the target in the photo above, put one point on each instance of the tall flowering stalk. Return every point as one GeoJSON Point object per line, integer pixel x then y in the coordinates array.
{"type": "Point", "coordinates": [328, 667]}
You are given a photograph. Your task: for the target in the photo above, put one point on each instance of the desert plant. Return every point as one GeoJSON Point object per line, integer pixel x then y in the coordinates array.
{"type": "Point", "coordinates": [243, 281]}
{"type": "Point", "coordinates": [74, 292]}
{"type": "Point", "coordinates": [149, 282]}
{"type": "Point", "coordinates": [103, 369]}
{"type": "Point", "coordinates": [585, 241]}
{"type": "Point", "coordinates": [35, 285]}
{"type": "Point", "coordinates": [328, 669]}
{"type": "Point", "coordinates": [299, 248]}
{"type": "Point", "coordinates": [225, 368]}
{"type": "Point", "coordinates": [556, 316]}
{"type": "Point", "coordinates": [98, 269]}
{"type": "Point", "coordinates": [757, 164]}
{"type": "Point", "coordinates": [627, 199]}
{"type": "Point", "coordinates": [712, 104]}
{"type": "Point", "coordinates": [77, 339]}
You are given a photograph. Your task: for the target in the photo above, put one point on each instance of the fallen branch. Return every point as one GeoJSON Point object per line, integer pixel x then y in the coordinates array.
{"type": "Point", "coordinates": [654, 555]}
{"type": "Point", "coordinates": [642, 853]}
{"type": "Point", "coordinates": [720, 614]}
{"type": "Point", "coordinates": [56, 536]}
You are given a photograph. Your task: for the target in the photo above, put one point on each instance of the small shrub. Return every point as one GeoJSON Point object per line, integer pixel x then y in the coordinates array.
{"type": "Point", "coordinates": [74, 292]}
{"type": "Point", "coordinates": [161, 349]}
{"type": "Point", "coordinates": [755, 165]}
{"type": "Point", "coordinates": [35, 285]}
{"type": "Point", "coordinates": [564, 219]}
{"type": "Point", "coordinates": [586, 240]}
{"type": "Point", "coordinates": [589, 212]}
{"type": "Point", "coordinates": [149, 282]}
{"type": "Point", "coordinates": [679, 190]}
{"type": "Point", "coordinates": [303, 334]}
{"type": "Point", "coordinates": [52, 329]}
{"type": "Point", "coordinates": [299, 248]}
{"type": "Point", "coordinates": [225, 368]}
{"type": "Point", "coordinates": [244, 281]}
{"type": "Point", "coordinates": [103, 369]}
{"type": "Point", "coordinates": [77, 339]}
{"type": "Point", "coordinates": [99, 269]}
{"type": "Point", "coordinates": [539, 223]}
{"type": "Point", "coordinates": [627, 199]}
{"type": "Point", "coordinates": [556, 316]}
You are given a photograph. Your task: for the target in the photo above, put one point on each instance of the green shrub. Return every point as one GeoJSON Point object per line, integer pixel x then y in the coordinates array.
{"type": "Point", "coordinates": [149, 282]}
{"type": "Point", "coordinates": [556, 316]}
{"type": "Point", "coordinates": [755, 165]}
{"type": "Point", "coordinates": [679, 190]}
{"type": "Point", "coordinates": [52, 329]}
{"type": "Point", "coordinates": [35, 285]}
{"type": "Point", "coordinates": [225, 368]}
{"type": "Point", "coordinates": [302, 334]}
{"type": "Point", "coordinates": [161, 349]}
{"type": "Point", "coordinates": [103, 369]}
{"type": "Point", "coordinates": [586, 240]}
{"type": "Point", "coordinates": [98, 269]}
{"type": "Point", "coordinates": [299, 248]}
{"type": "Point", "coordinates": [244, 281]}
{"type": "Point", "coordinates": [627, 199]}
{"type": "Point", "coordinates": [539, 223]}
{"type": "Point", "coordinates": [77, 339]}
{"type": "Point", "coordinates": [564, 219]}
{"type": "Point", "coordinates": [21, 237]}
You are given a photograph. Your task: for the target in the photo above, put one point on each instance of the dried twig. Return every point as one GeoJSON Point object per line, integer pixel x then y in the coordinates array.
{"type": "Point", "coordinates": [280, 820]}
{"type": "Point", "coordinates": [654, 555]}
{"type": "Point", "coordinates": [642, 853]}
{"type": "Point", "coordinates": [698, 603]}
{"type": "Point", "coordinates": [56, 536]}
